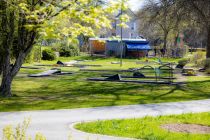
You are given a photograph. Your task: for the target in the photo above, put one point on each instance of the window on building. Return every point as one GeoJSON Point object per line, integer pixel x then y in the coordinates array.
{"type": "Point", "coordinates": [133, 27]}
{"type": "Point", "coordinates": [114, 25]}
{"type": "Point", "coordinates": [131, 35]}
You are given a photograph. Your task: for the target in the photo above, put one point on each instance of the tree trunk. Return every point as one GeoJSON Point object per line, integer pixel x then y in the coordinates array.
{"type": "Point", "coordinates": [165, 4]}
{"type": "Point", "coordinates": [165, 43]}
{"type": "Point", "coordinates": [0, 65]}
{"type": "Point", "coordinates": [5, 88]}
{"type": "Point", "coordinates": [208, 44]}
{"type": "Point", "coordinates": [7, 33]}
{"type": "Point", "coordinates": [10, 71]}
{"type": "Point", "coordinates": [3, 32]}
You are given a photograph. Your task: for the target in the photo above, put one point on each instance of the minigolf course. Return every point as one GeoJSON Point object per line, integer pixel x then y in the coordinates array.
{"type": "Point", "coordinates": [51, 72]}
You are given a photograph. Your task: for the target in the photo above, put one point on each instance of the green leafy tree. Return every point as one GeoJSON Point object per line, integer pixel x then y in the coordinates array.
{"type": "Point", "coordinates": [165, 20]}
{"type": "Point", "coordinates": [199, 11]}
{"type": "Point", "coordinates": [25, 21]}
{"type": "Point", "coordinates": [161, 14]}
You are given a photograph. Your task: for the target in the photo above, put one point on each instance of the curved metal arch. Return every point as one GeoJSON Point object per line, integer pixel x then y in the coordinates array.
{"type": "Point", "coordinates": [147, 66]}
{"type": "Point", "coordinates": [150, 67]}
{"type": "Point", "coordinates": [169, 66]}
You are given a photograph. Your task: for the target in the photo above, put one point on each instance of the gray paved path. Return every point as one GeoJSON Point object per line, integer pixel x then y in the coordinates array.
{"type": "Point", "coordinates": [57, 124]}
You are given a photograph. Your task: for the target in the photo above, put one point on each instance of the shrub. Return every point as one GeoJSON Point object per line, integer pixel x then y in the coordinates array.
{"type": "Point", "coordinates": [182, 62]}
{"type": "Point", "coordinates": [207, 63]}
{"type": "Point", "coordinates": [37, 53]}
{"type": "Point", "coordinates": [68, 51]}
{"type": "Point", "coordinates": [198, 59]}
{"type": "Point", "coordinates": [56, 46]}
{"type": "Point", "coordinates": [34, 55]}
{"type": "Point", "coordinates": [199, 55]}
{"type": "Point", "coordinates": [20, 132]}
{"type": "Point", "coordinates": [29, 58]}
{"type": "Point", "coordinates": [48, 54]}
{"type": "Point", "coordinates": [191, 73]}
{"type": "Point", "coordinates": [199, 63]}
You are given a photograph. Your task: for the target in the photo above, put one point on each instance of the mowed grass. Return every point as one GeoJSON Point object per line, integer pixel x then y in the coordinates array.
{"type": "Point", "coordinates": [75, 91]}
{"type": "Point", "coordinates": [149, 128]}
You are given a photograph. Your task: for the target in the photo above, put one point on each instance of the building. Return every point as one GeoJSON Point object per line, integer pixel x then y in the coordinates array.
{"type": "Point", "coordinates": [132, 45]}
{"type": "Point", "coordinates": [131, 32]}
{"type": "Point", "coordinates": [133, 48]}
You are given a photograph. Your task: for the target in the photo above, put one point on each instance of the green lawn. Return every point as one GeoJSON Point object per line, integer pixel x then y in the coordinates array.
{"type": "Point", "coordinates": [74, 91]}
{"type": "Point", "coordinates": [148, 128]}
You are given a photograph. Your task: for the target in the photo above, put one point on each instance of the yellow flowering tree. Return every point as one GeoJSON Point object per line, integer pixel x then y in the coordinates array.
{"type": "Point", "coordinates": [25, 21]}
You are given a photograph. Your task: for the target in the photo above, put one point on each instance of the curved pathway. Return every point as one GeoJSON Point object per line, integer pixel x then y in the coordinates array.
{"type": "Point", "coordinates": [57, 124]}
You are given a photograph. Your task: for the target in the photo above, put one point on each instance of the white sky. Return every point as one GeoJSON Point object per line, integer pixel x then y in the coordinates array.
{"type": "Point", "coordinates": [136, 4]}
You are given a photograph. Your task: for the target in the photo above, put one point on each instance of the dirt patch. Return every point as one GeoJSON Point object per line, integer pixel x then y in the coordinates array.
{"type": "Point", "coordinates": [187, 128]}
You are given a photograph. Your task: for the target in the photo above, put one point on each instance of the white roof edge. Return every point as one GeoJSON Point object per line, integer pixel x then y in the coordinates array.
{"type": "Point", "coordinates": [117, 39]}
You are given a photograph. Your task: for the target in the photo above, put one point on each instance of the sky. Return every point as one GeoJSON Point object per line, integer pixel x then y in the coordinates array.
{"type": "Point", "coordinates": [136, 4]}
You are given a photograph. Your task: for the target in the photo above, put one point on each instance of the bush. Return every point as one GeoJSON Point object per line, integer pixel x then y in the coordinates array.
{"type": "Point", "coordinates": [183, 62]}
{"type": "Point", "coordinates": [199, 55]}
{"type": "Point", "coordinates": [56, 46]}
{"type": "Point", "coordinates": [207, 71]}
{"type": "Point", "coordinates": [48, 54]}
{"type": "Point", "coordinates": [191, 73]}
{"type": "Point", "coordinates": [29, 57]}
{"type": "Point", "coordinates": [19, 133]}
{"type": "Point", "coordinates": [68, 51]}
{"type": "Point", "coordinates": [34, 55]}
{"type": "Point", "coordinates": [198, 59]}
{"type": "Point", "coordinates": [207, 63]}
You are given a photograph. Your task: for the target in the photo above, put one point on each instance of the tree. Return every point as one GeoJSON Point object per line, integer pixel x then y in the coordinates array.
{"type": "Point", "coordinates": [195, 36]}
{"type": "Point", "coordinates": [161, 14]}
{"type": "Point", "coordinates": [148, 28]}
{"type": "Point", "coordinates": [24, 21]}
{"type": "Point", "coordinates": [163, 17]}
{"type": "Point", "coordinates": [181, 19]}
{"type": "Point", "coordinates": [7, 36]}
{"type": "Point", "coordinates": [200, 12]}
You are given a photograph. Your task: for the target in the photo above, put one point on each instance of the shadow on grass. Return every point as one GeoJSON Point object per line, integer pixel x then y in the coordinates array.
{"type": "Point", "coordinates": [175, 88]}
{"type": "Point", "coordinates": [61, 92]}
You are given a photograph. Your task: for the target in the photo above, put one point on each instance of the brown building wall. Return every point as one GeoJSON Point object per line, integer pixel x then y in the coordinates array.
{"type": "Point", "coordinates": [98, 46]}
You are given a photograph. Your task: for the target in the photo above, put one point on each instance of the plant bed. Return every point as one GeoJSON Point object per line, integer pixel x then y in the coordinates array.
{"type": "Point", "coordinates": [187, 128]}
{"type": "Point", "coordinates": [189, 72]}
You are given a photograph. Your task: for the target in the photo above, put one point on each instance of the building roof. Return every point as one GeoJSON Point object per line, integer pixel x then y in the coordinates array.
{"type": "Point", "coordinates": [129, 12]}
{"type": "Point", "coordinates": [118, 40]}
{"type": "Point", "coordinates": [138, 46]}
